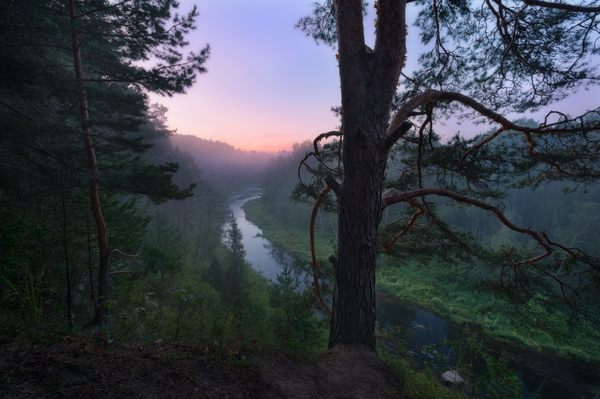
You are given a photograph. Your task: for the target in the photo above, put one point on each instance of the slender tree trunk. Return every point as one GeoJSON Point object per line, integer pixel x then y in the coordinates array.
{"type": "Point", "coordinates": [101, 311]}
{"type": "Point", "coordinates": [89, 242]}
{"type": "Point", "coordinates": [66, 249]}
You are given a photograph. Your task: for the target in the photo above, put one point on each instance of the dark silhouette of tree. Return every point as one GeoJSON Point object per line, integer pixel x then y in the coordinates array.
{"type": "Point", "coordinates": [214, 274]}
{"type": "Point", "coordinates": [478, 61]}
{"type": "Point", "coordinates": [76, 71]}
{"type": "Point", "coordinates": [235, 277]}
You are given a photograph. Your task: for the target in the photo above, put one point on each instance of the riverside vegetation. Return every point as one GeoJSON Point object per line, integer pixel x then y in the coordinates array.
{"type": "Point", "coordinates": [117, 252]}
{"type": "Point", "coordinates": [450, 288]}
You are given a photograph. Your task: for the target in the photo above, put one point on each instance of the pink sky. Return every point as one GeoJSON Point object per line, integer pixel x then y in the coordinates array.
{"type": "Point", "coordinates": [268, 86]}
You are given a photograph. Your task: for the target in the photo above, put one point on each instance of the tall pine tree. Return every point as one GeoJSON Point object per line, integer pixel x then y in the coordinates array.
{"type": "Point", "coordinates": [75, 72]}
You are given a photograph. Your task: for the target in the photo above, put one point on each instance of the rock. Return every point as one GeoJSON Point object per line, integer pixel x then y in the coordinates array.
{"type": "Point", "coordinates": [451, 377]}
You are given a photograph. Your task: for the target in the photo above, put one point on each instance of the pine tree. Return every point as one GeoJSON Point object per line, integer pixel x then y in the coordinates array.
{"type": "Point", "coordinates": [59, 54]}
{"type": "Point", "coordinates": [236, 279]}
{"type": "Point", "coordinates": [214, 274]}
{"type": "Point", "coordinates": [478, 60]}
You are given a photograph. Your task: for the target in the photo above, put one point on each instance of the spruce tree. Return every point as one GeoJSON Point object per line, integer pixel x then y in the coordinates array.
{"type": "Point", "coordinates": [214, 274]}
{"type": "Point", "coordinates": [236, 279]}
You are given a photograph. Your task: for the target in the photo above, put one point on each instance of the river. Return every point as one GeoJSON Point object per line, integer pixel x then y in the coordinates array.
{"type": "Point", "coordinates": [551, 376]}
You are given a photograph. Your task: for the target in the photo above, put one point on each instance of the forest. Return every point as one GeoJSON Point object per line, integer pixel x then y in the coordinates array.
{"type": "Point", "coordinates": [114, 229]}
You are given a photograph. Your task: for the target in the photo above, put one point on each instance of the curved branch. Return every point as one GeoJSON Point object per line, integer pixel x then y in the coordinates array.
{"type": "Point", "coordinates": [561, 6]}
{"type": "Point", "coordinates": [393, 196]}
{"type": "Point", "coordinates": [118, 252]}
{"type": "Point", "coordinates": [313, 218]}
{"type": "Point", "coordinates": [303, 162]}
{"type": "Point", "coordinates": [431, 94]}
{"type": "Point", "coordinates": [481, 144]}
{"type": "Point", "coordinates": [411, 223]}
{"type": "Point", "coordinates": [322, 136]}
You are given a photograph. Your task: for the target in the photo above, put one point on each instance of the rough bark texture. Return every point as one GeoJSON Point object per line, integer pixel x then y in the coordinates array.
{"type": "Point", "coordinates": [368, 82]}
{"type": "Point", "coordinates": [101, 310]}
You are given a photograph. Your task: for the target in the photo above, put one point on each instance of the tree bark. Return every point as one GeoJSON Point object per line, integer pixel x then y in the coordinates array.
{"type": "Point", "coordinates": [359, 213]}
{"type": "Point", "coordinates": [101, 311]}
{"type": "Point", "coordinates": [368, 82]}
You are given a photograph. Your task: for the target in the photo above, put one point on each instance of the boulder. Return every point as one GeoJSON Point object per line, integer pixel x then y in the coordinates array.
{"type": "Point", "coordinates": [451, 377]}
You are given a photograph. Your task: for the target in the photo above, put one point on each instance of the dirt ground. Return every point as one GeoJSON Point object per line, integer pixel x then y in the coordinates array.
{"type": "Point", "coordinates": [96, 368]}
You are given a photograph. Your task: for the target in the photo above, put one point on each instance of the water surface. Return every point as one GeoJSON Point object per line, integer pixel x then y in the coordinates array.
{"type": "Point", "coordinates": [551, 376]}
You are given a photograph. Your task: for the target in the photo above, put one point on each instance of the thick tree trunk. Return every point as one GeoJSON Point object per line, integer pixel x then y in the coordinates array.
{"type": "Point", "coordinates": [368, 81]}
{"type": "Point", "coordinates": [101, 311]}
{"type": "Point", "coordinates": [359, 213]}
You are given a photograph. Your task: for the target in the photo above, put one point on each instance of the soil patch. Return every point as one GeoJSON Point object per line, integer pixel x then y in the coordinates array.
{"type": "Point", "coordinates": [88, 368]}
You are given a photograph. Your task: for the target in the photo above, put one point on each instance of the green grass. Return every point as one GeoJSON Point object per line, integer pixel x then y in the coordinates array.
{"type": "Point", "coordinates": [295, 242]}
{"type": "Point", "coordinates": [454, 300]}
{"type": "Point", "coordinates": [443, 290]}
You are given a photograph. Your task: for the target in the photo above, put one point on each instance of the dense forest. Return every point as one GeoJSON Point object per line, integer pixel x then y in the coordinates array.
{"type": "Point", "coordinates": [113, 227]}
{"type": "Point", "coordinates": [107, 225]}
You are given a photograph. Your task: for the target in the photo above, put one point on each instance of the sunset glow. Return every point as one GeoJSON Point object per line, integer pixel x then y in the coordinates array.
{"type": "Point", "coordinates": [268, 86]}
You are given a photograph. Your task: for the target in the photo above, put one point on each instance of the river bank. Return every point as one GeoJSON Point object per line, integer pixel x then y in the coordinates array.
{"type": "Point", "coordinates": [557, 378]}
{"type": "Point", "coordinates": [443, 291]}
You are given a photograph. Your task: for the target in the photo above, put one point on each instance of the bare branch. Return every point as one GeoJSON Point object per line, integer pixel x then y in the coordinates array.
{"type": "Point", "coordinates": [303, 162]}
{"type": "Point", "coordinates": [393, 196]}
{"type": "Point", "coordinates": [431, 94]}
{"type": "Point", "coordinates": [19, 112]}
{"type": "Point", "coordinates": [481, 144]}
{"type": "Point", "coordinates": [337, 133]}
{"type": "Point", "coordinates": [413, 219]}
{"type": "Point", "coordinates": [561, 6]}
{"type": "Point", "coordinates": [118, 252]}
{"type": "Point", "coordinates": [313, 218]}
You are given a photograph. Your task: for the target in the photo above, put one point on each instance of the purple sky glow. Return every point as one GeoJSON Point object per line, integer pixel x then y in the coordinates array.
{"type": "Point", "coordinates": [268, 86]}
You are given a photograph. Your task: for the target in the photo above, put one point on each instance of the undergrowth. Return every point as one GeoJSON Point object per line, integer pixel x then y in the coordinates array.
{"type": "Point", "coordinates": [448, 292]}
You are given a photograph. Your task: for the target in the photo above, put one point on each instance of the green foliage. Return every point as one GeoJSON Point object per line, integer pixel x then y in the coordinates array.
{"type": "Point", "coordinates": [450, 291]}
{"type": "Point", "coordinates": [294, 320]}
{"type": "Point", "coordinates": [418, 385]}
{"type": "Point", "coordinates": [484, 375]}
{"type": "Point", "coordinates": [214, 274]}
{"type": "Point", "coordinates": [236, 271]}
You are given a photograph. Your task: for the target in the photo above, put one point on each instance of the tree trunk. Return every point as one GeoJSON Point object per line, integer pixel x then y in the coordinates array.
{"type": "Point", "coordinates": [66, 249]}
{"type": "Point", "coordinates": [359, 213]}
{"type": "Point", "coordinates": [101, 311]}
{"type": "Point", "coordinates": [368, 81]}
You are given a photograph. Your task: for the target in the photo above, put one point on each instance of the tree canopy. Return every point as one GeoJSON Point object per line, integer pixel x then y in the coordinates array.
{"type": "Point", "coordinates": [479, 60]}
{"type": "Point", "coordinates": [76, 73]}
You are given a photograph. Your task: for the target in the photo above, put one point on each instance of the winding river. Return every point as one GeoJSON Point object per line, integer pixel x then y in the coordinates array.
{"type": "Point", "coordinates": [550, 376]}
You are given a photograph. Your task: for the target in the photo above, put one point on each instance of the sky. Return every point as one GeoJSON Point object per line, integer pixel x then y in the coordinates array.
{"type": "Point", "coordinates": [269, 86]}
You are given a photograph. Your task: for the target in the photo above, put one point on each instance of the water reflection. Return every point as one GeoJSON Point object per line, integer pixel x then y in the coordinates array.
{"type": "Point", "coordinates": [260, 253]}
{"type": "Point", "coordinates": [558, 378]}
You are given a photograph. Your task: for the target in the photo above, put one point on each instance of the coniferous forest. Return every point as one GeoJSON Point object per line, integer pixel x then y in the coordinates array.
{"type": "Point", "coordinates": [120, 253]}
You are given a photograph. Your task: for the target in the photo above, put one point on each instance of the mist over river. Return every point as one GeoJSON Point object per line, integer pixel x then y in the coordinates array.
{"type": "Point", "coordinates": [551, 376]}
